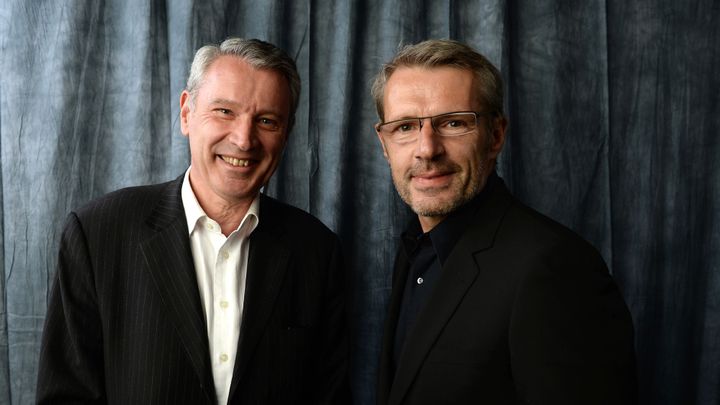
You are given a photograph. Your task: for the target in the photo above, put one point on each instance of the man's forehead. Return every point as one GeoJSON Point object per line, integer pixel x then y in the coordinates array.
{"type": "Point", "coordinates": [420, 79]}
{"type": "Point", "coordinates": [440, 70]}
{"type": "Point", "coordinates": [433, 90]}
{"type": "Point", "coordinates": [229, 65]}
{"type": "Point", "coordinates": [232, 79]}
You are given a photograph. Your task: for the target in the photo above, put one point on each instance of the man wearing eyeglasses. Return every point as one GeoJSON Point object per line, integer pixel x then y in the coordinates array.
{"type": "Point", "coordinates": [491, 302]}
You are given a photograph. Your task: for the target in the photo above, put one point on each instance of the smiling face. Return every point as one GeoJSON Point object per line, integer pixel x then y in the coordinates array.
{"type": "Point", "coordinates": [436, 175]}
{"type": "Point", "coordinates": [237, 125]}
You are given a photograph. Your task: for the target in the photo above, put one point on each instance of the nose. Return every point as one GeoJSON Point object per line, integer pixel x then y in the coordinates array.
{"type": "Point", "coordinates": [242, 134]}
{"type": "Point", "coordinates": [429, 145]}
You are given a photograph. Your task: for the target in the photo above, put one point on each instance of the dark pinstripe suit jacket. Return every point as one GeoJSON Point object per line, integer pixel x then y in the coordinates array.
{"type": "Point", "coordinates": [524, 312]}
{"type": "Point", "coordinates": [125, 324]}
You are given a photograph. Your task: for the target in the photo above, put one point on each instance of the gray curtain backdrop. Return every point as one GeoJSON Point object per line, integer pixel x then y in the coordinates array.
{"type": "Point", "coordinates": [614, 109]}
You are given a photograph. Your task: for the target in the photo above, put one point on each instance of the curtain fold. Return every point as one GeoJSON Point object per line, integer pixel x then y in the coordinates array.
{"type": "Point", "coordinates": [614, 114]}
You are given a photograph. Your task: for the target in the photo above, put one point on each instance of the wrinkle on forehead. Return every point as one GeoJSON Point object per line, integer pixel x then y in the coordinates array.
{"type": "Point", "coordinates": [226, 82]}
{"type": "Point", "coordinates": [421, 92]}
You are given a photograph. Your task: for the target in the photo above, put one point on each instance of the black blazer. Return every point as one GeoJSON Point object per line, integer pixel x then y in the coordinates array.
{"type": "Point", "coordinates": [524, 312]}
{"type": "Point", "coordinates": [125, 323]}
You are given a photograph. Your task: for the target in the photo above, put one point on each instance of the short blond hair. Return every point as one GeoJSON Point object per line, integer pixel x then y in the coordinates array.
{"type": "Point", "coordinates": [444, 53]}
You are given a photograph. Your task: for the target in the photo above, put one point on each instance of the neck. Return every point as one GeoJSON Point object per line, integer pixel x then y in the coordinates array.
{"type": "Point", "coordinates": [228, 216]}
{"type": "Point", "coordinates": [228, 213]}
{"type": "Point", "coordinates": [428, 223]}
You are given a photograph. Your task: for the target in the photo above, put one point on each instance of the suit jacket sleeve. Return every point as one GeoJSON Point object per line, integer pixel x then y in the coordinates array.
{"type": "Point", "coordinates": [71, 358]}
{"type": "Point", "coordinates": [332, 382]}
{"type": "Point", "coordinates": [571, 335]}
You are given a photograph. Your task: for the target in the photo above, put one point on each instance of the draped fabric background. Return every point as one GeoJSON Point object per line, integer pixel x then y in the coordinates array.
{"type": "Point", "coordinates": [614, 113]}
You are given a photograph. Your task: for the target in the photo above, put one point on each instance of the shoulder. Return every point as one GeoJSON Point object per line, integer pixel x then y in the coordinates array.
{"type": "Point", "coordinates": [542, 229]}
{"type": "Point", "coordinates": [524, 239]}
{"type": "Point", "coordinates": [529, 230]}
{"type": "Point", "coordinates": [291, 217]}
{"type": "Point", "coordinates": [128, 205]}
{"type": "Point", "coordinates": [309, 242]}
{"type": "Point", "coordinates": [298, 229]}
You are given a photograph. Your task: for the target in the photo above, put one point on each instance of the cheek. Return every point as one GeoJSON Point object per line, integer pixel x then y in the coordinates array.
{"type": "Point", "coordinates": [395, 167]}
{"type": "Point", "coordinates": [194, 144]}
{"type": "Point", "coordinates": [398, 157]}
{"type": "Point", "coordinates": [471, 156]}
{"type": "Point", "coordinates": [199, 144]}
{"type": "Point", "coordinates": [398, 172]}
{"type": "Point", "coordinates": [273, 146]}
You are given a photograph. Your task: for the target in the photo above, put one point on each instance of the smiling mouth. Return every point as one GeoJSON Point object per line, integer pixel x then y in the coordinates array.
{"type": "Point", "coordinates": [430, 176]}
{"type": "Point", "coordinates": [431, 181]}
{"type": "Point", "coordinates": [235, 162]}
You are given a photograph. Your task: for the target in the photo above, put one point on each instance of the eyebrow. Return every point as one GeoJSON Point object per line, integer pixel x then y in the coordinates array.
{"type": "Point", "coordinates": [235, 103]}
{"type": "Point", "coordinates": [223, 101]}
{"type": "Point", "coordinates": [414, 117]}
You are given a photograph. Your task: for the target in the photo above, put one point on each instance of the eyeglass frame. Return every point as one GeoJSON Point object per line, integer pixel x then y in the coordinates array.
{"type": "Point", "coordinates": [432, 118]}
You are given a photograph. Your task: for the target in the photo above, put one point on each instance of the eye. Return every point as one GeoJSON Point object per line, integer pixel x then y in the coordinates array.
{"type": "Point", "coordinates": [222, 111]}
{"type": "Point", "coordinates": [403, 127]}
{"type": "Point", "coordinates": [453, 123]}
{"type": "Point", "coordinates": [269, 124]}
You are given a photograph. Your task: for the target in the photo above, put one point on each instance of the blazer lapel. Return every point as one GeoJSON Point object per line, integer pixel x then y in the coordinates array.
{"type": "Point", "coordinates": [169, 260]}
{"type": "Point", "coordinates": [385, 374]}
{"type": "Point", "coordinates": [267, 265]}
{"type": "Point", "coordinates": [458, 274]}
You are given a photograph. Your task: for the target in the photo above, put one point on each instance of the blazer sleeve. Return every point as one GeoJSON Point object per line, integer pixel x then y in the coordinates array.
{"type": "Point", "coordinates": [71, 358]}
{"type": "Point", "coordinates": [571, 335]}
{"type": "Point", "coordinates": [332, 384]}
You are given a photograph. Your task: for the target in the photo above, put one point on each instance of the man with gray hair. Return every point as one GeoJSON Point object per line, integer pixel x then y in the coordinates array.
{"type": "Point", "coordinates": [202, 290]}
{"type": "Point", "coordinates": [491, 301]}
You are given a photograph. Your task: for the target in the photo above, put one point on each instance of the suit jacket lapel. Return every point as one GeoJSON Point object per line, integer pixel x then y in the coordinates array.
{"type": "Point", "coordinates": [458, 274]}
{"type": "Point", "coordinates": [169, 260]}
{"type": "Point", "coordinates": [385, 375]}
{"type": "Point", "coordinates": [267, 265]}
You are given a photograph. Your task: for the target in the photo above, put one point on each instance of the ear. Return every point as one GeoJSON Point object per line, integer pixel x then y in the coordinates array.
{"type": "Point", "coordinates": [497, 136]}
{"type": "Point", "coordinates": [382, 143]}
{"type": "Point", "coordinates": [184, 112]}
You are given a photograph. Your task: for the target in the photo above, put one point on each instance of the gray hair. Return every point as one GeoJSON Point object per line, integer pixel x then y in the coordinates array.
{"type": "Point", "coordinates": [442, 53]}
{"type": "Point", "coordinates": [258, 54]}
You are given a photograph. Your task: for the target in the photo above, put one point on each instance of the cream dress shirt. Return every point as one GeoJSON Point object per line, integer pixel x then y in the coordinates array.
{"type": "Point", "coordinates": [221, 269]}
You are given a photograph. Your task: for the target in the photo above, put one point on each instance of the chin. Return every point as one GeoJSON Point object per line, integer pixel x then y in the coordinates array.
{"type": "Point", "coordinates": [433, 209]}
{"type": "Point", "coordinates": [438, 205]}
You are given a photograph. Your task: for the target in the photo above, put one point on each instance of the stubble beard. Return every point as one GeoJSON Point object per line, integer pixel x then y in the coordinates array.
{"type": "Point", "coordinates": [437, 206]}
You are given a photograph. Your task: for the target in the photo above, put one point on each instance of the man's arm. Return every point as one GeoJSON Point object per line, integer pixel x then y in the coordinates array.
{"type": "Point", "coordinates": [332, 385]}
{"type": "Point", "coordinates": [71, 356]}
{"type": "Point", "coordinates": [571, 335]}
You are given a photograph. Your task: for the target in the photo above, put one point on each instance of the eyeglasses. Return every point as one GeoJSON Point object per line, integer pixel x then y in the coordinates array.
{"type": "Point", "coordinates": [449, 124]}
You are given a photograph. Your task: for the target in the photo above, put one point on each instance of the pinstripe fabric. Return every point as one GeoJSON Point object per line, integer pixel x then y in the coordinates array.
{"type": "Point", "coordinates": [125, 324]}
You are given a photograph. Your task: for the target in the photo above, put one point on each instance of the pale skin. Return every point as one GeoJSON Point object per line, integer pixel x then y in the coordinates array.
{"type": "Point", "coordinates": [435, 175]}
{"type": "Point", "coordinates": [237, 127]}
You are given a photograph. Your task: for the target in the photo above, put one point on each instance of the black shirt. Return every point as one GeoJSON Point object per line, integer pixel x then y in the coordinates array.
{"type": "Point", "coordinates": [427, 253]}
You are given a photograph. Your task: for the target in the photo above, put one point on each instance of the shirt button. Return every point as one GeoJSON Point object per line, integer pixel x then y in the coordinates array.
{"type": "Point", "coordinates": [223, 304]}
{"type": "Point", "coordinates": [420, 280]}
{"type": "Point", "coordinates": [225, 254]}
{"type": "Point", "coordinates": [209, 226]}
{"type": "Point", "coordinates": [223, 357]}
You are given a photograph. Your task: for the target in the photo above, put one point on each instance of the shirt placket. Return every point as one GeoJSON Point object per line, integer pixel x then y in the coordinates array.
{"type": "Point", "coordinates": [222, 297]}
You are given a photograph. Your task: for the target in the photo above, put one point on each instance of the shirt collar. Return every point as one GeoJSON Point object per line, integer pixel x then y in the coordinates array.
{"type": "Point", "coordinates": [194, 212]}
{"type": "Point", "coordinates": [445, 235]}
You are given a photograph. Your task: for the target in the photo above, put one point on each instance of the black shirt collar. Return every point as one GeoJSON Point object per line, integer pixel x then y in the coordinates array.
{"type": "Point", "coordinates": [445, 235]}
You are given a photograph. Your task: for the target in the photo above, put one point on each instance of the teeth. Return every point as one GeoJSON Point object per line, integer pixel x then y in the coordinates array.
{"type": "Point", "coordinates": [236, 162]}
